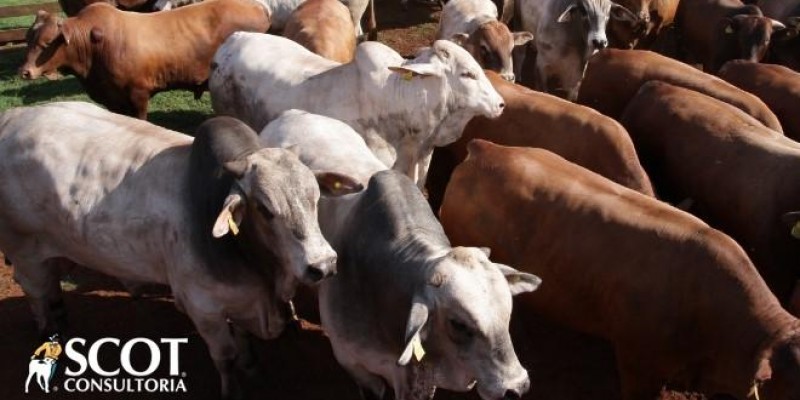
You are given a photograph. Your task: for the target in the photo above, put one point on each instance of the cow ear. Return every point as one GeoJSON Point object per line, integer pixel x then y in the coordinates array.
{"type": "Point", "coordinates": [792, 220]}
{"type": "Point", "coordinates": [41, 15]}
{"type": "Point", "coordinates": [236, 167]}
{"type": "Point", "coordinates": [410, 71]}
{"type": "Point", "coordinates": [413, 340]}
{"type": "Point", "coordinates": [566, 16]}
{"type": "Point", "coordinates": [333, 185]}
{"type": "Point", "coordinates": [622, 13]}
{"type": "Point", "coordinates": [522, 37]}
{"type": "Point", "coordinates": [230, 217]}
{"type": "Point", "coordinates": [460, 39]}
{"type": "Point", "coordinates": [519, 282]}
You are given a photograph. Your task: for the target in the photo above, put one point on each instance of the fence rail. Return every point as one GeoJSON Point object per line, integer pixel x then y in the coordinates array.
{"type": "Point", "coordinates": [17, 35]}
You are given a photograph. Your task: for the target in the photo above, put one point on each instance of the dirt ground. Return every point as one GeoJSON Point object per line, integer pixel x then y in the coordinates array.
{"type": "Point", "coordinates": [564, 365]}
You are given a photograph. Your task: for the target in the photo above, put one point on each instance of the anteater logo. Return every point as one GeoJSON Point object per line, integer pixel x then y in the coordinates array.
{"type": "Point", "coordinates": [44, 368]}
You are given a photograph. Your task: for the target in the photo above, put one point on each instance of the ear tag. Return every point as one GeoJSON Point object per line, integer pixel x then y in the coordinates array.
{"type": "Point", "coordinates": [232, 225]}
{"type": "Point", "coordinates": [419, 352]}
{"type": "Point", "coordinates": [408, 75]}
{"type": "Point", "coordinates": [728, 29]}
{"type": "Point", "coordinates": [796, 230]}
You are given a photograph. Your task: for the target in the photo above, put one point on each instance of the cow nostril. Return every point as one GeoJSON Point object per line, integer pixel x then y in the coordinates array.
{"type": "Point", "coordinates": [26, 74]}
{"type": "Point", "coordinates": [512, 394]}
{"type": "Point", "coordinates": [315, 273]}
{"type": "Point", "coordinates": [502, 105]}
{"type": "Point", "coordinates": [600, 43]}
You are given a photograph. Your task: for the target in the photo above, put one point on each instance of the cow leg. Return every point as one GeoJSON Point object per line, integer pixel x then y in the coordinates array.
{"type": "Point", "coordinates": [31, 372]}
{"type": "Point", "coordinates": [139, 100]}
{"type": "Point", "coordinates": [40, 282]}
{"type": "Point", "coordinates": [222, 348]}
{"type": "Point", "coordinates": [370, 386]}
{"type": "Point", "coordinates": [635, 380]}
{"type": "Point", "coordinates": [246, 360]}
{"type": "Point", "coordinates": [414, 382]}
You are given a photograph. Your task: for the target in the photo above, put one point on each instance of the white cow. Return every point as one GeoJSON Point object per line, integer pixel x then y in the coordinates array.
{"type": "Point", "coordinates": [401, 108]}
{"type": "Point", "coordinates": [402, 290]}
{"type": "Point", "coordinates": [566, 33]}
{"type": "Point", "coordinates": [474, 25]}
{"type": "Point", "coordinates": [41, 371]}
{"type": "Point", "coordinates": [230, 227]}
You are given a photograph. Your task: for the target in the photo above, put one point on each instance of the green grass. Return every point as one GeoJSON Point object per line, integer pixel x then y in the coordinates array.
{"type": "Point", "coordinates": [177, 110]}
{"type": "Point", "coordinates": [19, 22]}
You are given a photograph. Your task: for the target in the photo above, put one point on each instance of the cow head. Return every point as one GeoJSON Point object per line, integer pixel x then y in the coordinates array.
{"type": "Point", "coordinates": [745, 37]}
{"type": "Point", "coordinates": [48, 41]}
{"type": "Point", "coordinates": [779, 371]}
{"type": "Point", "coordinates": [491, 45]}
{"type": "Point", "coordinates": [580, 31]}
{"type": "Point", "coordinates": [268, 195]}
{"type": "Point", "coordinates": [461, 319]}
{"type": "Point", "coordinates": [459, 82]}
{"type": "Point", "coordinates": [628, 25]}
{"type": "Point", "coordinates": [784, 46]}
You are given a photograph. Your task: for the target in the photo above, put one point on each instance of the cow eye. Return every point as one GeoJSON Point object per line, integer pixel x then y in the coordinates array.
{"type": "Point", "coordinates": [265, 212]}
{"type": "Point", "coordinates": [461, 330]}
{"type": "Point", "coordinates": [469, 75]}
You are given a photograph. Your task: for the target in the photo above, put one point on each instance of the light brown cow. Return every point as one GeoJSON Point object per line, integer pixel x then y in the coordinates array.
{"type": "Point", "coordinates": [535, 119]}
{"type": "Point", "coordinates": [614, 76]}
{"type": "Point", "coordinates": [741, 178]}
{"type": "Point", "coordinates": [715, 31]}
{"type": "Point", "coordinates": [324, 27]}
{"type": "Point", "coordinates": [680, 302]}
{"type": "Point", "coordinates": [777, 86]}
{"type": "Point", "coordinates": [122, 58]}
{"type": "Point", "coordinates": [653, 17]}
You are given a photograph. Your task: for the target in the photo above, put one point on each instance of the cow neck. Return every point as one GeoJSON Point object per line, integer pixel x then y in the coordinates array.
{"type": "Point", "coordinates": [79, 50]}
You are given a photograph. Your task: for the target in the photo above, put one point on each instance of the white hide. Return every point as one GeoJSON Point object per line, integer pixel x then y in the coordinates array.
{"type": "Point", "coordinates": [464, 16]}
{"type": "Point", "coordinates": [325, 144]}
{"type": "Point", "coordinates": [401, 115]}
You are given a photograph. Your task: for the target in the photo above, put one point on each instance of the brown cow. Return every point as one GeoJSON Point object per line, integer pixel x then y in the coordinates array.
{"type": "Point", "coordinates": [654, 17]}
{"type": "Point", "coordinates": [614, 76]}
{"type": "Point", "coordinates": [535, 119]}
{"type": "Point", "coordinates": [715, 31]}
{"type": "Point", "coordinates": [324, 27]}
{"type": "Point", "coordinates": [784, 49]}
{"type": "Point", "coordinates": [680, 302]}
{"type": "Point", "coordinates": [741, 178]}
{"type": "Point", "coordinates": [777, 86]}
{"type": "Point", "coordinates": [122, 58]}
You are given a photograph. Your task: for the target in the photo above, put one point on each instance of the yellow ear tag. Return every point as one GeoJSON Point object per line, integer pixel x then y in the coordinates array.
{"type": "Point", "coordinates": [796, 230]}
{"type": "Point", "coordinates": [408, 75]}
{"type": "Point", "coordinates": [419, 352]}
{"type": "Point", "coordinates": [232, 225]}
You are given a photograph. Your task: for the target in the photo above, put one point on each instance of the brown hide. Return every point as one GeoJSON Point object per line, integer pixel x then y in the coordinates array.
{"type": "Point", "coordinates": [534, 119]}
{"type": "Point", "coordinates": [680, 302]}
{"type": "Point", "coordinates": [775, 85]}
{"type": "Point", "coordinates": [122, 58]}
{"type": "Point", "coordinates": [715, 31]}
{"type": "Point", "coordinates": [614, 76]}
{"type": "Point", "coordinates": [741, 177]}
{"type": "Point", "coordinates": [324, 27]}
{"type": "Point", "coordinates": [654, 17]}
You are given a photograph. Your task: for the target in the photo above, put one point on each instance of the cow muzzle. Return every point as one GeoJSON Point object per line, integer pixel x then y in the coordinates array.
{"type": "Point", "coordinates": [318, 271]}
{"type": "Point", "coordinates": [27, 73]}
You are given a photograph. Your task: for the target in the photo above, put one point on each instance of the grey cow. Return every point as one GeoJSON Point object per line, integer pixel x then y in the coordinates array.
{"type": "Point", "coordinates": [401, 289]}
{"type": "Point", "coordinates": [143, 203]}
{"type": "Point", "coordinates": [566, 33]}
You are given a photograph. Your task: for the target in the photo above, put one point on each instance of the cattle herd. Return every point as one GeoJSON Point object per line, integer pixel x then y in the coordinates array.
{"type": "Point", "coordinates": [648, 188]}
